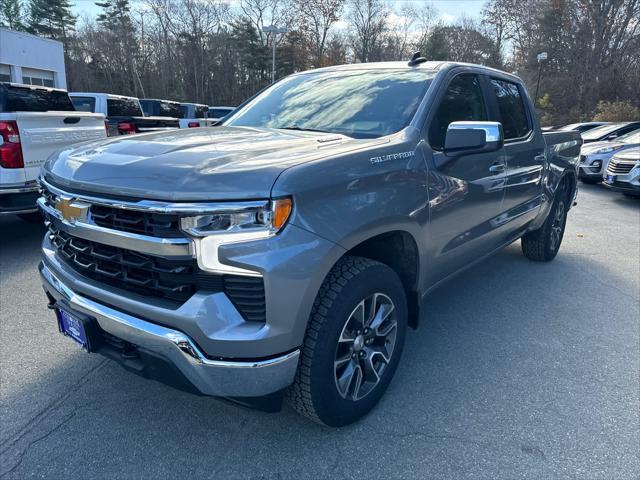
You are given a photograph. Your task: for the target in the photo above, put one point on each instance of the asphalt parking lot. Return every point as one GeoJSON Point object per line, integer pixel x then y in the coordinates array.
{"type": "Point", "coordinates": [519, 370]}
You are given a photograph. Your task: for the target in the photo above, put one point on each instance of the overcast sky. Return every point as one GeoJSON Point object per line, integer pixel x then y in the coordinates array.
{"type": "Point", "coordinates": [450, 10]}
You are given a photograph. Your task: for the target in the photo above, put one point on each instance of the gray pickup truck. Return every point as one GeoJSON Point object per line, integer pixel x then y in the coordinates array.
{"type": "Point", "coordinates": [285, 253]}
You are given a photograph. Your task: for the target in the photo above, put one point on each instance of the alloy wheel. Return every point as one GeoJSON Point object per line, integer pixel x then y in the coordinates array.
{"type": "Point", "coordinates": [557, 225]}
{"type": "Point", "coordinates": [365, 346]}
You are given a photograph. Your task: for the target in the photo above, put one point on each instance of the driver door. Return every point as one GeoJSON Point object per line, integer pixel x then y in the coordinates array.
{"type": "Point", "coordinates": [466, 191]}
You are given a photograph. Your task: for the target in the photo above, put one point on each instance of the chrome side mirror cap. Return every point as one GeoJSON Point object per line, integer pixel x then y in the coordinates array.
{"type": "Point", "coordinates": [465, 138]}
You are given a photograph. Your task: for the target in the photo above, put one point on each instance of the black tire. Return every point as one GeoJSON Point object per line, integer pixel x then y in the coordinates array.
{"type": "Point", "coordinates": [315, 392]}
{"type": "Point", "coordinates": [543, 244]}
{"type": "Point", "coordinates": [34, 217]}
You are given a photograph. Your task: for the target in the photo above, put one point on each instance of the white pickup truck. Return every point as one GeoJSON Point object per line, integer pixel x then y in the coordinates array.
{"type": "Point", "coordinates": [34, 123]}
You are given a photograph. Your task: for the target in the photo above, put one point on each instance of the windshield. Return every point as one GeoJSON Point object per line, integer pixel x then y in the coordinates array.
{"type": "Point", "coordinates": [362, 104]}
{"type": "Point", "coordinates": [631, 137]}
{"type": "Point", "coordinates": [598, 132]}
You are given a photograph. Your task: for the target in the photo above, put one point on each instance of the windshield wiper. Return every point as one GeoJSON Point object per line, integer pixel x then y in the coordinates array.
{"type": "Point", "coordinates": [303, 129]}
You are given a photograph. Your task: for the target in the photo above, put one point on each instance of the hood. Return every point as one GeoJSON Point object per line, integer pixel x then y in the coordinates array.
{"type": "Point", "coordinates": [196, 164]}
{"type": "Point", "coordinates": [629, 154]}
{"type": "Point", "coordinates": [593, 146]}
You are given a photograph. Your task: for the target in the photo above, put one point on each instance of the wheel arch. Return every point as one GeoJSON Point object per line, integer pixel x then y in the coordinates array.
{"type": "Point", "coordinates": [398, 249]}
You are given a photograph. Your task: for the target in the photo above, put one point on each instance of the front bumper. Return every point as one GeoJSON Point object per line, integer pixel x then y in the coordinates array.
{"type": "Point", "coordinates": [225, 378]}
{"type": "Point", "coordinates": [16, 199]}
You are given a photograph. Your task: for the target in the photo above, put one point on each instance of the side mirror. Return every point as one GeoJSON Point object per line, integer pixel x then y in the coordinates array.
{"type": "Point", "coordinates": [465, 138]}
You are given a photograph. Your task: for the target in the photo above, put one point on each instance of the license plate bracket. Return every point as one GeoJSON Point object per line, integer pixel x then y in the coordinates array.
{"type": "Point", "coordinates": [80, 328]}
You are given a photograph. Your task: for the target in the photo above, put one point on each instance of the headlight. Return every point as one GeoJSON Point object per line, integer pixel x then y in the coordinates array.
{"type": "Point", "coordinates": [608, 149]}
{"type": "Point", "coordinates": [241, 222]}
{"type": "Point", "coordinates": [250, 217]}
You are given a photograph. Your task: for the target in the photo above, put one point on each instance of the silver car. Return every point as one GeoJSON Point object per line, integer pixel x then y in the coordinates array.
{"type": "Point", "coordinates": [594, 157]}
{"type": "Point", "coordinates": [623, 173]}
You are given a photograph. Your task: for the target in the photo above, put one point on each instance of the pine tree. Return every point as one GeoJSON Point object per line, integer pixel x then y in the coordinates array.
{"type": "Point", "coordinates": [115, 16]}
{"type": "Point", "coordinates": [51, 18]}
{"type": "Point", "coordinates": [10, 15]}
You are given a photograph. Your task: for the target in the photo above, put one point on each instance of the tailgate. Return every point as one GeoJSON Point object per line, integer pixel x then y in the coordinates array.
{"type": "Point", "coordinates": [152, 124]}
{"type": "Point", "coordinates": [42, 133]}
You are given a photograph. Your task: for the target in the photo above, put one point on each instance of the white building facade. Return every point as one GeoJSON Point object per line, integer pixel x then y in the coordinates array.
{"type": "Point", "coordinates": [26, 58]}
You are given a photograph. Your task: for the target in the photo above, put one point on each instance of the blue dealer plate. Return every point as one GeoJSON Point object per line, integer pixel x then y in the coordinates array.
{"type": "Point", "coordinates": [72, 326]}
{"type": "Point", "coordinates": [611, 179]}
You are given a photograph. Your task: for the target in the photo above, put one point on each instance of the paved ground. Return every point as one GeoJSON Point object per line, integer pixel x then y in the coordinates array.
{"type": "Point", "coordinates": [520, 370]}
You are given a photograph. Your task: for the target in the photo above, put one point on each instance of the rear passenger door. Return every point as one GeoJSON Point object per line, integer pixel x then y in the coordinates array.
{"type": "Point", "coordinates": [523, 153]}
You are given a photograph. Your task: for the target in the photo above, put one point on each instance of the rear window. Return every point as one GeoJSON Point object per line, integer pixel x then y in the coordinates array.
{"type": "Point", "coordinates": [170, 109]}
{"type": "Point", "coordinates": [123, 107]}
{"type": "Point", "coordinates": [512, 110]}
{"type": "Point", "coordinates": [218, 112]}
{"type": "Point", "coordinates": [201, 111]}
{"type": "Point", "coordinates": [184, 110]}
{"type": "Point", "coordinates": [84, 104]}
{"type": "Point", "coordinates": [21, 99]}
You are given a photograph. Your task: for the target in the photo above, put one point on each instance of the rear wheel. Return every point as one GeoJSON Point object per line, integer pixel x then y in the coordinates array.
{"type": "Point", "coordinates": [542, 245]}
{"type": "Point", "coordinates": [353, 343]}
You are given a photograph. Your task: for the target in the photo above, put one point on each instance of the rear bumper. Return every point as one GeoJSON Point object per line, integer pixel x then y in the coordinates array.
{"type": "Point", "coordinates": [18, 198]}
{"type": "Point", "coordinates": [180, 357]}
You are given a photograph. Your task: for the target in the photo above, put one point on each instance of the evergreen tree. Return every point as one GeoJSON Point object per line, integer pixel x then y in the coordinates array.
{"type": "Point", "coordinates": [116, 16]}
{"type": "Point", "coordinates": [10, 15]}
{"type": "Point", "coordinates": [51, 18]}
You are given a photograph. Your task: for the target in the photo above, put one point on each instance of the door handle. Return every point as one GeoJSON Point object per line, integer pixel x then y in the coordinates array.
{"type": "Point", "coordinates": [497, 168]}
{"type": "Point", "coordinates": [540, 158]}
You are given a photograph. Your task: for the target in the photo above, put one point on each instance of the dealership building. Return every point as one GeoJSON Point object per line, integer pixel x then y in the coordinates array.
{"type": "Point", "coordinates": [26, 58]}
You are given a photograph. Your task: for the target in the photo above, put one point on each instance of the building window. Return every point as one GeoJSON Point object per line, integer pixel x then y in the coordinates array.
{"type": "Point", "coordinates": [32, 76]}
{"type": "Point", "coordinates": [5, 73]}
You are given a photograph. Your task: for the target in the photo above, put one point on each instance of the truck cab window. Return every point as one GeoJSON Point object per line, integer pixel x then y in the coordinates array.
{"type": "Point", "coordinates": [461, 102]}
{"type": "Point", "coordinates": [512, 110]}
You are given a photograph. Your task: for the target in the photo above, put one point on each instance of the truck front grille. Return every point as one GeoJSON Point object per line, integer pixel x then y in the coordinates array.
{"type": "Point", "coordinates": [146, 275]}
{"type": "Point", "coordinates": [620, 167]}
{"type": "Point", "coordinates": [164, 225]}
{"type": "Point", "coordinates": [135, 221]}
{"type": "Point", "coordinates": [136, 272]}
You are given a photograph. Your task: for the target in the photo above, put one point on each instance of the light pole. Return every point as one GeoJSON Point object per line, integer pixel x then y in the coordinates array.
{"type": "Point", "coordinates": [275, 30]}
{"type": "Point", "coordinates": [541, 58]}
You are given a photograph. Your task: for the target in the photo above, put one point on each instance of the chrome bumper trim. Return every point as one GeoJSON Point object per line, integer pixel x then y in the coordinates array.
{"type": "Point", "coordinates": [211, 377]}
{"type": "Point", "coordinates": [18, 189]}
{"type": "Point", "coordinates": [163, 247]}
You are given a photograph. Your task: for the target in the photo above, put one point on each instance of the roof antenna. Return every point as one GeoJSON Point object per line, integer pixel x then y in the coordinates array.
{"type": "Point", "coordinates": [416, 59]}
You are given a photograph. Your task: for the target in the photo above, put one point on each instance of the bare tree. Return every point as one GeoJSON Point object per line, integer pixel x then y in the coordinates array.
{"type": "Point", "coordinates": [317, 18]}
{"type": "Point", "coordinates": [368, 25]}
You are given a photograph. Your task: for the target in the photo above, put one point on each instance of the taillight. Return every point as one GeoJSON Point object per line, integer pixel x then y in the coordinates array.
{"type": "Point", "coordinates": [127, 128]}
{"type": "Point", "coordinates": [106, 127]}
{"type": "Point", "coordinates": [10, 149]}
{"type": "Point", "coordinates": [193, 124]}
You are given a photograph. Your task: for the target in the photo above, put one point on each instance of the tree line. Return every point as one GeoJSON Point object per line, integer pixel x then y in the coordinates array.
{"type": "Point", "coordinates": [216, 52]}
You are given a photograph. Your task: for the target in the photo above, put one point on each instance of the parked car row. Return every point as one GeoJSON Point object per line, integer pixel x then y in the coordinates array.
{"type": "Point", "coordinates": [38, 121]}
{"type": "Point", "coordinates": [611, 155]}
{"type": "Point", "coordinates": [129, 115]}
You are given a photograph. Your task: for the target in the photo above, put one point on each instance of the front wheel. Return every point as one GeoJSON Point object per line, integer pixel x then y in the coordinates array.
{"type": "Point", "coordinates": [353, 342]}
{"type": "Point", "coordinates": [542, 245]}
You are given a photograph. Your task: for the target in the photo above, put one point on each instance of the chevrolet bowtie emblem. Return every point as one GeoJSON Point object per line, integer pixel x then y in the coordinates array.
{"type": "Point", "coordinates": [71, 209]}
